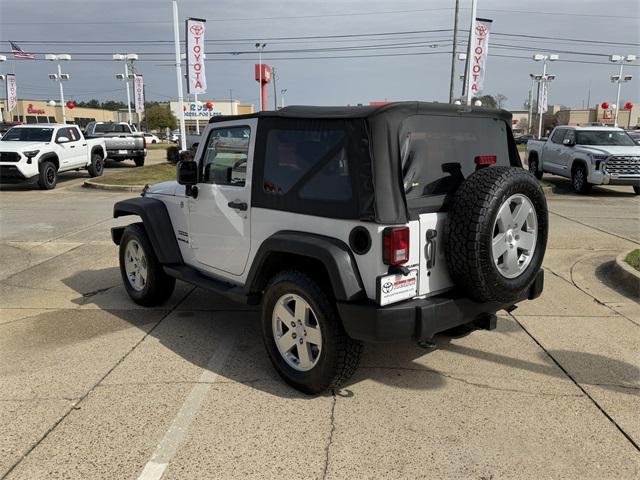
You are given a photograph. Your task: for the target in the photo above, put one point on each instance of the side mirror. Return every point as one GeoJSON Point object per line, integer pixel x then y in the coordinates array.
{"type": "Point", "coordinates": [187, 173]}
{"type": "Point", "coordinates": [62, 140]}
{"type": "Point", "coordinates": [568, 142]}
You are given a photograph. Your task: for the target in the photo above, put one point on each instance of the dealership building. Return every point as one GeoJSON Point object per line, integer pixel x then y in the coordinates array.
{"type": "Point", "coordinates": [205, 109]}
{"type": "Point", "coordinates": [39, 111]}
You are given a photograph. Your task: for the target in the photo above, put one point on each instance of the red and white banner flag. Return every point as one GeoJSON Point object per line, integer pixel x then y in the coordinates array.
{"type": "Point", "coordinates": [138, 93]}
{"type": "Point", "coordinates": [479, 54]}
{"type": "Point", "coordinates": [197, 83]}
{"type": "Point", "coordinates": [12, 92]}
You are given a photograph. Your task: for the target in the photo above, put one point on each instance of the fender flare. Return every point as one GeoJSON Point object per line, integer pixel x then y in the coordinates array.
{"type": "Point", "coordinates": [157, 224]}
{"type": "Point", "coordinates": [334, 254]}
{"type": "Point", "coordinates": [100, 149]}
{"type": "Point", "coordinates": [50, 156]}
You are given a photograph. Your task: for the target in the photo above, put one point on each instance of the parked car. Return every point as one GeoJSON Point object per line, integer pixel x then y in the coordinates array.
{"type": "Point", "coordinates": [588, 156]}
{"type": "Point", "coordinates": [523, 139]}
{"type": "Point", "coordinates": [151, 138]}
{"type": "Point", "coordinates": [38, 153]}
{"type": "Point", "coordinates": [123, 140]}
{"type": "Point", "coordinates": [348, 224]}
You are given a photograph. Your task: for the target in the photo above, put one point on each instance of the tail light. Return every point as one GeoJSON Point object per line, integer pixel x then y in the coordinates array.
{"type": "Point", "coordinates": [484, 160]}
{"type": "Point", "coordinates": [395, 245]}
{"type": "Point", "coordinates": [144, 142]}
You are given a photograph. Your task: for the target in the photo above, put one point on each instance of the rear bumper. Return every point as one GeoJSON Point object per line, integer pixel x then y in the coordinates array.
{"type": "Point", "coordinates": [128, 154]}
{"type": "Point", "coordinates": [421, 319]}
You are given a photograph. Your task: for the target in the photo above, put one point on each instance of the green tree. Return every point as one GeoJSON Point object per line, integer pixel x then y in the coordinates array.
{"type": "Point", "coordinates": [487, 101]}
{"type": "Point", "coordinates": [159, 117]}
{"type": "Point", "coordinates": [113, 105]}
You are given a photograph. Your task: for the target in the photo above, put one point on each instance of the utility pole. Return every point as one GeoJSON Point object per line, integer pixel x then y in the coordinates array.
{"type": "Point", "coordinates": [453, 54]}
{"type": "Point", "coordinates": [231, 101]}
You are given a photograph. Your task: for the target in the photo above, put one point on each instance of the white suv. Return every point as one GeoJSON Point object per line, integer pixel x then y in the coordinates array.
{"type": "Point", "coordinates": [347, 224]}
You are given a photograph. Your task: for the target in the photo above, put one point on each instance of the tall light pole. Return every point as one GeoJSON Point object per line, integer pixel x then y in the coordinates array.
{"type": "Point", "coordinates": [530, 104]}
{"type": "Point", "coordinates": [283, 92]}
{"type": "Point", "coordinates": [176, 44]}
{"type": "Point", "coordinates": [59, 77]}
{"type": "Point", "coordinates": [543, 82]}
{"type": "Point", "coordinates": [126, 57]}
{"type": "Point", "coordinates": [619, 79]}
{"type": "Point", "coordinates": [260, 48]}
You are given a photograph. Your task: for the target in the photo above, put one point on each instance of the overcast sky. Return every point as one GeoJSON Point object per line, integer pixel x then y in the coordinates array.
{"type": "Point", "coordinates": [42, 26]}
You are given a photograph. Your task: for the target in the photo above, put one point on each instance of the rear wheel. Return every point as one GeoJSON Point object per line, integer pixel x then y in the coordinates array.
{"type": "Point", "coordinates": [142, 274]}
{"type": "Point", "coordinates": [304, 336]}
{"type": "Point", "coordinates": [47, 176]}
{"type": "Point", "coordinates": [579, 180]}
{"type": "Point", "coordinates": [139, 161]}
{"type": "Point", "coordinates": [96, 168]}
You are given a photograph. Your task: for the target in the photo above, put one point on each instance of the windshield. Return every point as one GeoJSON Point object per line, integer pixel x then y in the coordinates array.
{"type": "Point", "coordinates": [32, 134]}
{"type": "Point", "coordinates": [603, 137]}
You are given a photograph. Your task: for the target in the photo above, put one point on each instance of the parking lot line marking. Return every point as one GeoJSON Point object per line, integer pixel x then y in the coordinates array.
{"type": "Point", "coordinates": [166, 449]}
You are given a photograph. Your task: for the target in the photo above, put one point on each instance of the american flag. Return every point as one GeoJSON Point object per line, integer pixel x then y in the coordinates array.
{"type": "Point", "coordinates": [19, 53]}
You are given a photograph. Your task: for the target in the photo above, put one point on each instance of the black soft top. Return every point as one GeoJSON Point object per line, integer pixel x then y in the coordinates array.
{"type": "Point", "coordinates": [380, 189]}
{"type": "Point", "coordinates": [397, 110]}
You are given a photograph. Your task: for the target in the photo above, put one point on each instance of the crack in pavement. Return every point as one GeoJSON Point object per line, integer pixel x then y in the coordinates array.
{"type": "Point", "coordinates": [577, 384]}
{"type": "Point", "coordinates": [95, 385]}
{"type": "Point", "coordinates": [331, 431]}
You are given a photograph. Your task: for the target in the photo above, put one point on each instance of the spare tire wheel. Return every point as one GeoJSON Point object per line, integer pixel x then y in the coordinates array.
{"type": "Point", "coordinates": [496, 233]}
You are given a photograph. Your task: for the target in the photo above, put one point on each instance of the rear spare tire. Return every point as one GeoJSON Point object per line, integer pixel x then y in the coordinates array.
{"type": "Point", "coordinates": [496, 234]}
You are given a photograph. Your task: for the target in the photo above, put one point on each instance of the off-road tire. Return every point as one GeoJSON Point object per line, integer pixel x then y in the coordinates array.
{"type": "Point", "coordinates": [340, 354]}
{"type": "Point", "coordinates": [636, 189]}
{"type": "Point", "coordinates": [579, 180]}
{"type": "Point", "coordinates": [96, 167]}
{"type": "Point", "coordinates": [469, 233]}
{"type": "Point", "coordinates": [159, 285]}
{"type": "Point", "coordinates": [139, 161]}
{"type": "Point", "coordinates": [534, 168]}
{"type": "Point", "coordinates": [47, 175]}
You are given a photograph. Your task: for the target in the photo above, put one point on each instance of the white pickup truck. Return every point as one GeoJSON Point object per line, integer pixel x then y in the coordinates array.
{"type": "Point", "coordinates": [588, 156]}
{"type": "Point", "coordinates": [37, 153]}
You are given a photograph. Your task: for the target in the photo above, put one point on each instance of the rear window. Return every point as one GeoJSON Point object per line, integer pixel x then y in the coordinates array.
{"type": "Point", "coordinates": [438, 153]}
{"type": "Point", "coordinates": [110, 128]}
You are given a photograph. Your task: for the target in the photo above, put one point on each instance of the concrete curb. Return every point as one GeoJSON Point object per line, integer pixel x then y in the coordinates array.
{"type": "Point", "coordinates": [626, 275]}
{"type": "Point", "coordinates": [113, 188]}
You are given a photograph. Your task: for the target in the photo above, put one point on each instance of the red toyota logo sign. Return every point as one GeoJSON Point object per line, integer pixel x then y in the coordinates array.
{"type": "Point", "coordinates": [481, 30]}
{"type": "Point", "coordinates": [196, 29]}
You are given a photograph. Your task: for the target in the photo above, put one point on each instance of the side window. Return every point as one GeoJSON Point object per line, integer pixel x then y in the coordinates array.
{"type": "Point", "coordinates": [63, 132]}
{"type": "Point", "coordinates": [225, 158]}
{"type": "Point", "coordinates": [558, 135]}
{"type": "Point", "coordinates": [312, 161]}
{"type": "Point", "coordinates": [73, 134]}
{"type": "Point", "coordinates": [571, 135]}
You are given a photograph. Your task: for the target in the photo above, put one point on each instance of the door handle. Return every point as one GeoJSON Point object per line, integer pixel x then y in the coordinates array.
{"type": "Point", "coordinates": [84, 144]}
{"type": "Point", "coordinates": [242, 206]}
{"type": "Point", "coordinates": [72, 146]}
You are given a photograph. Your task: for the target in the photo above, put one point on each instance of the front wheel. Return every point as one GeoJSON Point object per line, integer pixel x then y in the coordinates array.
{"type": "Point", "coordinates": [47, 176]}
{"type": "Point", "coordinates": [636, 189]}
{"type": "Point", "coordinates": [142, 274]}
{"type": "Point", "coordinates": [304, 336]}
{"type": "Point", "coordinates": [535, 169]}
{"type": "Point", "coordinates": [579, 180]}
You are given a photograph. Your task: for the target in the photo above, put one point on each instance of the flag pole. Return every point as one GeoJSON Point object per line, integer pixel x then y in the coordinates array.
{"type": "Point", "coordinates": [176, 40]}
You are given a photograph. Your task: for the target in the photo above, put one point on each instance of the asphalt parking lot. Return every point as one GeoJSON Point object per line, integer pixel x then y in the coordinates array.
{"type": "Point", "coordinates": [93, 386]}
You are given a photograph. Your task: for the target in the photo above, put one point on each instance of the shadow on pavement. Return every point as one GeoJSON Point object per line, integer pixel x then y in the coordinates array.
{"type": "Point", "coordinates": [610, 275]}
{"type": "Point", "coordinates": [562, 186]}
{"type": "Point", "coordinates": [190, 334]}
{"type": "Point", "coordinates": [30, 186]}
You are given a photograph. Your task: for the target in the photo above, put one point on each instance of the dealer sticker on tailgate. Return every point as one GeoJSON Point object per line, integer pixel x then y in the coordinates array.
{"type": "Point", "coordinates": [393, 288]}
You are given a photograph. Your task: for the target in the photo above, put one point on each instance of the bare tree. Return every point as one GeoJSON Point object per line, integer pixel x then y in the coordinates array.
{"type": "Point", "coordinates": [500, 100]}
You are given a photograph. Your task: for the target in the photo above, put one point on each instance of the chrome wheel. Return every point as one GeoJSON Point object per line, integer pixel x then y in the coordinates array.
{"type": "Point", "coordinates": [135, 265]}
{"type": "Point", "coordinates": [515, 234]}
{"type": "Point", "coordinates": [296, 332]}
